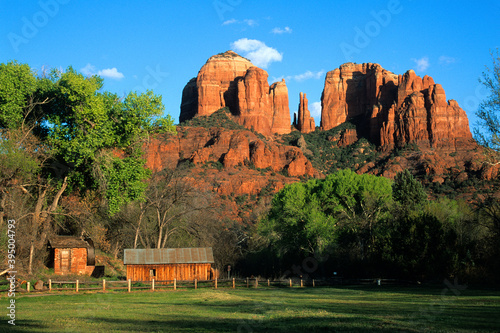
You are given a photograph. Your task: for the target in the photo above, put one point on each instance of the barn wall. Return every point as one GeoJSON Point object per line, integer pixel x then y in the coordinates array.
{"type": "Point", "coordinates": [164, 272]}
{"type": "Point", "coordinates": [77, 262]}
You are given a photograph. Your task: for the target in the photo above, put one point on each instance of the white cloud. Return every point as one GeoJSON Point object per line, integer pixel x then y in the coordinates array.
{"type": "Point", "coordinates": [231, 21]}
{"type": "Point", "coordinates": [281, 31]}
{"type": "Point", "coordinates": [88, 70]}
{"type": "Point", "coordinates": [309, 75]}
{"type": "Point", "coordinates": [111, 73]}
{"type": "Point", "coordinates": [422, 63]}
{"type": "Point", "coordinates": [250, 23]}
{"type": "Point", "coordinates": [315, 109]}
{"type": "Point", "coordinates": [258, 52]}
{"type": "Point", "coordinates": [445, 60]}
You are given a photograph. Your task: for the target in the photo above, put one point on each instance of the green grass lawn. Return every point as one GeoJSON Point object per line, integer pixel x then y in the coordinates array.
{"type": "Point", "coordinates": [345, 309]}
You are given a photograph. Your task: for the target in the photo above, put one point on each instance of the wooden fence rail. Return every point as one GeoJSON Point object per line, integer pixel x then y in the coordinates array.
{"type": "Point", "coordinates": [104, 285]}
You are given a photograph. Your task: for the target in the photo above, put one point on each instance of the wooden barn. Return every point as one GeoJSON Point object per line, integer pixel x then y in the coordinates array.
{"type": "Point", "coordinates": [72, 255]}
{"type": "Point", "coordinates": [186, 264]}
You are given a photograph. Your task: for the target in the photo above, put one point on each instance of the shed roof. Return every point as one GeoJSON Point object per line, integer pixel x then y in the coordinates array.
{"type": "Point", "coordinates": [196, 255]}
{"type": "Point", "coordinates": [65, 242]}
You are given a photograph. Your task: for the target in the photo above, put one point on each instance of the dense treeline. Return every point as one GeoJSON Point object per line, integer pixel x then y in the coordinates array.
{"type": "Point", "coordinates": [71, 163]}
{"type": "Point", "coordinates": [367, 226]}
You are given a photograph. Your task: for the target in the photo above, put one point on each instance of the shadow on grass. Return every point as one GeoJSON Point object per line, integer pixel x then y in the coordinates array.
{"type": "Point", "coordinates": [22, 326]}
{"type": "Point", "coordinates": [288, 324]}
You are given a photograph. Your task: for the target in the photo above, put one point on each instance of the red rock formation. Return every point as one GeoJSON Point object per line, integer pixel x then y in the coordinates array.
{"type": "Point", "coordinates": [260, 107]}
{"type": "Point", "coordinates": [228, 80]}
{"type": "Point", "coordinates": [352, 89]}
{"type": "Point", "coordinates": [305, 123]}
{"type": "Point", "coordinates": [216, 82]}
{"type": "Point", "coordinates": [254, 103]}
{"type": "Point", "coordinates": [347, 138]}
{"type": "Point", "coordinates": [232, 147]}
{"type": "Point", "coordinates": [281, 112]}
{"type": "Point", "coordinates": [393, 110]}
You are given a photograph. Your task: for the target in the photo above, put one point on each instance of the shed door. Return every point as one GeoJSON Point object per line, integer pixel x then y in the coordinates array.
{"type": "Point", "coordinates": [65, 260]}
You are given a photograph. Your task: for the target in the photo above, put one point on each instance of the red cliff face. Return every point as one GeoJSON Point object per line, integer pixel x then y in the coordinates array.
{"type": "Point", "coordinates": [231, 147]}
{"type": "Point", "coordinates": [216, 82]}
{"type": "Point", "coordinates": [305, 123]}
{"type": "Point", "coordinates": [393, 110]}
{"type": "Point", "coordinates": [228, 80]}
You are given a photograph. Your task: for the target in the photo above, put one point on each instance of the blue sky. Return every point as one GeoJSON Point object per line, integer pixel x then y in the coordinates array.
{"type": "Point", "coordinates": [160, 45]}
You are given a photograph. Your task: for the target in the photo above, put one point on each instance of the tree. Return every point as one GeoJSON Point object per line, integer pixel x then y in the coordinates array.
{"type": "Point", "coordinates": [17, 85]}
{"type": "Point", "coordinates": [26, 183]}
{"type": "Point", "coordinates": [100, 137]}
{"type": "Point", "coordinates": [59, 131]}
{"type": "Point", "coordinates": [489, 110]}
{"type": "Point", "coordinates": [308, 218]}
{"type": "Point", "coordinates": [296, 223]}
{"type": "Point", "coordinates": [408, 191]}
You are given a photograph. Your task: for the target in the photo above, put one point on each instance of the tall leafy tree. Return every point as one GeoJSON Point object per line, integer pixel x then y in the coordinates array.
{"type": "Point", "coordinates": [309, 217]}
{"type": "Point", "coordinates": [488, 133]}
{"type": "Point", "coordinates": [99, 136]}
{"type": "Point", "coordinates": [408, 191]}
{"type": "Point", "coordinates": [60, 130]}
{"type": "Point", "coordinates": [18, 83]}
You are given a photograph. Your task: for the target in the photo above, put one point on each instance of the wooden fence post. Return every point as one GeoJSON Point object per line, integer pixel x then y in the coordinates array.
{"type": "Point", "coordinates": [301, 283]}
{"type": "Point", "coordinates": [50, 284]}
{"type": "Point", "coordinates": [104, 285]}
{"type": "Point", "coordinates": [215, 283]}
{"type": "Point", "coordinates": [77, 285]}
{"type": "Point", "coordinates": [247, 282]}
{"type": "Point", "coordinates": [314, 284]}
{"type": "Point", "coordinates": [129, 284]}
{"type": "Point", "coordinates": [28, 286]}
{"type": "Point", "coordinates": [268, 283]}
{"type": "Point", "coordinates": [234, 284]}
{"type": "Point", "coordinates": [175, 284]}
{"type": "Point", "coordinates": [153, 285]}
{"type": "Point", "coordinates": [256, 282]}
{"type": "Point", "coordinates": [195, 283]}
{"type": "Point", "coordinates": [290, 283]}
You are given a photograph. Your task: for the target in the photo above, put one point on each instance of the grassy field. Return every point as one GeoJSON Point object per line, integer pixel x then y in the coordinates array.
{"type": "Point", "coordinates": [345, 309]}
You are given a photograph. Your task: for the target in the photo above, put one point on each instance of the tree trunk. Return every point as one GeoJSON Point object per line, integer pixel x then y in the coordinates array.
{"type": "Point", "coordinates": [3, 195]}
{"type": "Point", "coordinates": [30, 264]}
{"type": "Point", "coordinates": [138, 229]}
{"type": "Point", "coordinates": [35, 224]}
{"type": "Point", "coordinates": [160, 231]}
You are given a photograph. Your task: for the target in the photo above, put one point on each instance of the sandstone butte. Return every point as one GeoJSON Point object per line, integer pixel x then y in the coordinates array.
{"type": "Point", "coordinates": [304, 123]}
{"type": "Point", "coordinates": [393, 110]}
{"type": "Point", "coordinates": [229, 80]}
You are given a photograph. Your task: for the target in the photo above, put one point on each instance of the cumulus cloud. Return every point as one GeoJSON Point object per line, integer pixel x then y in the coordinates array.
{"type": "Point", "coordinates": [280, 31]}
{"type": "Point", "coordinates": [110, 73]}
{"type": "Point", "coordinates": [231, 21]}
{"type": "Point", "coordinates": [249, 22]}
{"type": "Point", "coordinates": [315, 109]}
{"type": "Point", "coordinates": [422, 63]}
{"type": "Point", "coordinates": [445, 60]}
{"type": "Point", "coordinates": [309, 75]}
{"type": "Point", "coordinates": [258, 52]}
{"type": "Point", "coordinates": [88, 70]}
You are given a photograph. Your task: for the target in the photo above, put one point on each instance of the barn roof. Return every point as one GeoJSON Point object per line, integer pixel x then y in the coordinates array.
{"type": "Point", "coordinates": [199, 255]}
{"type": "Point", "coordinates": [65, 242]}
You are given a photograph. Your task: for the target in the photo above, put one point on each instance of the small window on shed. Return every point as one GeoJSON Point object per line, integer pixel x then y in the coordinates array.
{"type": "Point", "coordinates": [152, 272]}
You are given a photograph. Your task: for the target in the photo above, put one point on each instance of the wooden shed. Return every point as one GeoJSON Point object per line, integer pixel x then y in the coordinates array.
{"type": "Point", "coordinates": [186, 264]}
{"type": "Point", "coordinates": [72, 255]}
